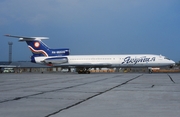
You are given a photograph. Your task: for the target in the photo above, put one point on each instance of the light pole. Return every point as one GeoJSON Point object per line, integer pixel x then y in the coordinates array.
{"type": "Point", "coordinates": [10, 51]}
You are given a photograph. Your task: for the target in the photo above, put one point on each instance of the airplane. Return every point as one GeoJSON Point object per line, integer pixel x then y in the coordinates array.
{"type": "Point", "coordinates": [42, 54]}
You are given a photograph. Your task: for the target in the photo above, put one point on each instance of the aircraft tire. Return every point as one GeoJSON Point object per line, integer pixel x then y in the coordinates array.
{"type": "Point", "coordinates": [87, 72]}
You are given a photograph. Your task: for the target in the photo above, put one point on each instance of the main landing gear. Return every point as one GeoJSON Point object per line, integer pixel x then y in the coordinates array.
{"type": "Point", "coordinates": [83, 71]}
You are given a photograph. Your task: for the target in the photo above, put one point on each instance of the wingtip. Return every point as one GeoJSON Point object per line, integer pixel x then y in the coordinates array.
{"type": "Point", "coordinates": [7, 35]}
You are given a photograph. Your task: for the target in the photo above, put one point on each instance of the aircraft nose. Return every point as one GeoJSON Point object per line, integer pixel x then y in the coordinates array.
{"type": "Point", "coordinates": [173, 63]}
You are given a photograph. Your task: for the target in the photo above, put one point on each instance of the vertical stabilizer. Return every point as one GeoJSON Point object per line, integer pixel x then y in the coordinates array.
{"type": "Point", "coordinates": [38, 48]}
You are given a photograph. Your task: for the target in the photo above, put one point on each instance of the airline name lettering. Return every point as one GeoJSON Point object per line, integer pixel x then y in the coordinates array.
{"type": "Point", "coordinates": [143, 59]}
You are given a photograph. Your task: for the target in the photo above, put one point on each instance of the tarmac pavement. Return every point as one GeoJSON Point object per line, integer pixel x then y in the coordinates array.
{"type": "Point", "coordinates": [90, 95]}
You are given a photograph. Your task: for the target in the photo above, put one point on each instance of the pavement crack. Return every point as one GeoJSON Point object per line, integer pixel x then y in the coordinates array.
{"type": "Point", "coordinates": [27, 96]}
{"type": "Point", "coordinates": [93, 96]}
{"type": "Point", "coordinates": [171, 78]}
{"type": "Point", "coordinates": [17, 98]}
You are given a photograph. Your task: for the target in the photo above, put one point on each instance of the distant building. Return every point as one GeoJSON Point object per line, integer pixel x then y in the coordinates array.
{"type": "Point", "coordinates": [26, 66]}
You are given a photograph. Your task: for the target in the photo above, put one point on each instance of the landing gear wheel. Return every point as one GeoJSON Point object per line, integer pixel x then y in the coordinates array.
{"type": "Point", "coordinates": [84, 72]}
{"type": "Point", "coordinates": [79, 72]}
{"type": "Point", "coordinates": [87, 72]}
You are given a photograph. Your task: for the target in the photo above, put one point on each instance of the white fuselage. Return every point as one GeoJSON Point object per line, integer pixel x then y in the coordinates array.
{"type": "Point", "coordinates": [136, 60]}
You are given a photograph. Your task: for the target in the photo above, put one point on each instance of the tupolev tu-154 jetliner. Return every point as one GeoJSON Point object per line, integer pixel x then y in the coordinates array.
{"type": "Point", "coordinates": [83, 63]}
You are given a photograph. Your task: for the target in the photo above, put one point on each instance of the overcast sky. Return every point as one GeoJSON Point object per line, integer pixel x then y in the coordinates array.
{"type": "Point", "coordinates": [93, 26]}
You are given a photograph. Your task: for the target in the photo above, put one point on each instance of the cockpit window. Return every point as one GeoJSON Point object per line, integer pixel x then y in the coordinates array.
{"type": "Point", "coordinates": [166, 58]}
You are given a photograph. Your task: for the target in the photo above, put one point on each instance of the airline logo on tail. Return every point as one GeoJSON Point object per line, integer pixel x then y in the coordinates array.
{"type": "Point", "coordinates": [38, 48]}
{"type": "Point", "coordinates": [39, 52]}
{"type": "Point", "coordinates": [36, 44]}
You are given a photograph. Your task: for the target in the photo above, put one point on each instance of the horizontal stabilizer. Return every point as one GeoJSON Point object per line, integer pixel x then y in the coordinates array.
{"type": "Point", "coordinates": [22, 38]}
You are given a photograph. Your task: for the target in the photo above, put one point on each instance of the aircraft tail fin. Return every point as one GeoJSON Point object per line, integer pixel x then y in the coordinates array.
{"type": "Point", "coordinates": [38, 48]}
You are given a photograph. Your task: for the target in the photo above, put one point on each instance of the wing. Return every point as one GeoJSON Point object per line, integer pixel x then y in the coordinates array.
{"type": "Point", "coordinates": [85, 65]}
{"type": "Point", "coordinates": [63, 62]}
{"type": "Point", "coordinates": [8, 66]}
